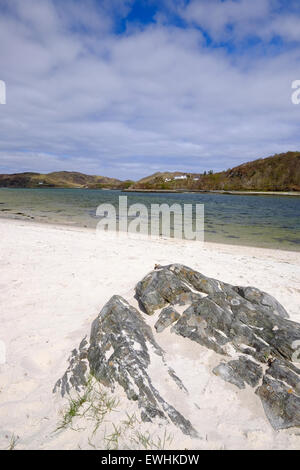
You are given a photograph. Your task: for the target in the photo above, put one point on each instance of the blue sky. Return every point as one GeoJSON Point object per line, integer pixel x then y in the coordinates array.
{"type": "Point", "coordinates": [125, 88]}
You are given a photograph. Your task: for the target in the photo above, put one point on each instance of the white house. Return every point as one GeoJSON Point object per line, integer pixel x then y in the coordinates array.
{"type": "Point", "coordinates": [182, 177]}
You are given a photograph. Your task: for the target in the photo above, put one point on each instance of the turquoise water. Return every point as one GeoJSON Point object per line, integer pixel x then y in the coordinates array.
{"type": "Point", "coordinates": [264, 221]}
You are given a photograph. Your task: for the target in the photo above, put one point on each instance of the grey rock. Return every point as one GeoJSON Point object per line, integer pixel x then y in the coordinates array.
{"type": "Point", "coordinates": [286, 372]}
{"type": "Point", "coordinates": [226, 372]}
{"type": "Point", "coordinates": [262, 298]}
{"type": "Point", "coordinates": [240, 371]}
{"type": "Point", "coordinates": [204, 328]}
{"type": "Point", "coordinates": [186, 298]}
{"type": "Point", "coordinates": [226, 317]}
{"type": "Point", "coordinates": [159, 288]}
{"type": "Point", "coordinates": [167, 316]}
{"type": "Point", "coordinates": [222, 317]}
{"type": "Point", "coordinates": [196, 280]}
{"type": "Point", "coordinates": [177, 380]}
{"type": "Point", "coordinates": [255, 325]}
{"type": "Point", "coordinates": [280, 395]}
{"type": "Point", "coordinates": [76, 374]}
{"type": "Point", "coordinates": [119, 351]}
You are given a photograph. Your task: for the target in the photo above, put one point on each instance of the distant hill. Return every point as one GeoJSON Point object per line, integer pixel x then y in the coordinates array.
{"type": "Point", "coordinates": [281, 172]}
{"type": "Point", "coordinates": [61, 179]}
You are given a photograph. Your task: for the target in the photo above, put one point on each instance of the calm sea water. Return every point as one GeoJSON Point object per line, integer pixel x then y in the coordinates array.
{"type": "Point", "coordinates": [264, 221]}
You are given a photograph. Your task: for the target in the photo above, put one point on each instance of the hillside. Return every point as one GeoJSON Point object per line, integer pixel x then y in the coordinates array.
{"type": "Point", "coordinates": [277, 173]}
{"type": "Point", "coordinates": [281, 172]}
{"type": "Point", "coordinates": [61, 179]}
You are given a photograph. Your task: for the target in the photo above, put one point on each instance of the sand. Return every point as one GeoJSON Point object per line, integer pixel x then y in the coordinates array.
{"type": "Point", "coordinates": [53, 283]}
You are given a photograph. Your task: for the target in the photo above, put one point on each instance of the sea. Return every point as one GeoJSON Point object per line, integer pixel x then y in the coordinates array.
{"type": "Point", "coordinates": [268, 221]}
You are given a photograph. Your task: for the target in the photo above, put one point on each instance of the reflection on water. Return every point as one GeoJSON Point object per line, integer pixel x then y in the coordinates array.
{"type": "Point", "coordinates": [266, 221]}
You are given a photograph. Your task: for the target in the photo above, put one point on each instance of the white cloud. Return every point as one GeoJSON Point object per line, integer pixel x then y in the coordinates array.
{"type": "Point", "coordinates": [238, 19]}
{"type": "Point", "coordinates": [215, 16]}
{"type": "Point", "coordinates": [124, 105]}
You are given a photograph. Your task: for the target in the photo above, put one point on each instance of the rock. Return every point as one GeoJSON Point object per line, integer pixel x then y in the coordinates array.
{"type": "Point", "coordinates": [280, 395]}
{"type": "Point", "coordinates": [167, 316]}
{"type": "Point", "coordinates": [227, 318]}
{"type": "Point", "coordinates": [262, 298]}
{"type": "Point", "coordinates": [249, 322]}
{"type": "Point", "coordinates": [204, 328]}
{"type": "Point", "coordinates": [196, 280]}
{"type": "Point", "coordinates": [76, 374]}
{"type": "Point", "coordinates": [120, 349]}
{"type": "Point", "coordinates": [159, 288]}
{"type": "Point", "coordinates": [226, 372]}
{"type": "Point", "coordinates": [233, 321]}
{"type": "Point", "coordinates": [240, 371]}
{"type": "Point", "coordinates": [177, 380]}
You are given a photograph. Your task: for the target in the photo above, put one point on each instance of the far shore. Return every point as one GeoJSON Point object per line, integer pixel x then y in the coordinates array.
{"type": "Point", "coordinates": [215, 191]}
{"type": "Point", "coordinates": [182, 191]}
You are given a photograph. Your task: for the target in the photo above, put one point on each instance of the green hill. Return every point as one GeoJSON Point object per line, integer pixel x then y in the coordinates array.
{"type": "Point", "coordinates": [60, 179]}
{"type": "Point", "coordinates": [281, 172]}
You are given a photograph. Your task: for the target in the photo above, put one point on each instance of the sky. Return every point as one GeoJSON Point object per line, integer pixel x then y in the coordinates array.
{"type": "Point", "coordinates": [125, 88]}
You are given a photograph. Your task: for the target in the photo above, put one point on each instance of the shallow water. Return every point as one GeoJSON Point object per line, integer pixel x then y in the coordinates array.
{"type": "Point", "coordinates": [263, 221]}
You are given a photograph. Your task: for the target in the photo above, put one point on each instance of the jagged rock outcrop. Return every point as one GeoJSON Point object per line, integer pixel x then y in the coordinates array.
{"type": "Point", "coordinates": [236, 321]}
{"type": "Point", "coordinates": [120, 349]}
{"type": "Point", "coordinates": [246, 326]}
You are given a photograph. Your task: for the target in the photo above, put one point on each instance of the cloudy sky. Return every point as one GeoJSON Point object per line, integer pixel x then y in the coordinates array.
{"type": "Point", "coordinates": [125, 88]}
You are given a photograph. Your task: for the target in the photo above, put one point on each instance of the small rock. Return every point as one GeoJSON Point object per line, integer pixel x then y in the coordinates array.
{"type": "Point", "coordinates": [167, 316]}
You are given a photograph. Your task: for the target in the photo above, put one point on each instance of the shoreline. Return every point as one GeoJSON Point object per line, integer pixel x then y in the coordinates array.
{"type": "Point", "coordinates": [269, 221]}
{"type": "Point", "coordinates": [215, 191]}
{"type": "Point", "coordinates": [80, 228]}
{"type": "Point", "coordinates": [184, 191]}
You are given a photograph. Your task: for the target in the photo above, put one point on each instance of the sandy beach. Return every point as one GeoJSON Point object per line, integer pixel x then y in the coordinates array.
{"type": "Point", "coordinates": [54, 280]}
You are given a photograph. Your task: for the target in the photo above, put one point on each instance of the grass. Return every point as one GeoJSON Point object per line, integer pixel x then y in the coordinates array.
{"type": "Point", "coordinates": [148, 441]}
{"type": "Point", "coordinates": [91, 412]}
{"type": "Point", "coordinates": [98, 403]}
{"type": "Point", "coordinates": [72, 411]}
{"type": "Point", "coordinates": [13, 442]}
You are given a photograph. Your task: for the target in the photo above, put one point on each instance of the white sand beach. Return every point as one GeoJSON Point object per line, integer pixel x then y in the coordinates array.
{"type": "Point", "coordinates": [53, 282]}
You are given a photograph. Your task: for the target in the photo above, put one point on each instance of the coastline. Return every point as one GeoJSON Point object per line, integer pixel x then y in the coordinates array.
{"type": "Point", "coordinates": [54, 281]}
{"type": "Point", "coordinates": [179, 191]}
{"type": "Point", "coordinates": [215, 191]}
{"type": "Point", "coordinates": [256, 250]}
{"type": "Point", "coordinates": [249, 237]}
